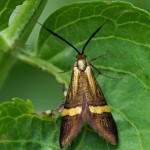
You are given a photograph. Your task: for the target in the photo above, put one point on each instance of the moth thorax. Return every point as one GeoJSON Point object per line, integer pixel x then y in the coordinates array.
{"type": "Point", "coordinates": [81, 64]}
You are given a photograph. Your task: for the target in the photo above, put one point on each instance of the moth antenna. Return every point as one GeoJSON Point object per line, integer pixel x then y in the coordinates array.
{"type": "Point", "coordinates": [60, 37]}
{"type": "Point", "coordinates": [93, 34]}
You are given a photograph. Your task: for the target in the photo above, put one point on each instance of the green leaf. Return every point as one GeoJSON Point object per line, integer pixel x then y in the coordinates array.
{"type": "Point", "coordinates": [126, 37]}
{"type": "Point", "coordinates": [21, 130]}
{"type": "Point", "coordinates": [18, 32]}
{"type": "Point", "coordinates": [16, 108]}
{"type": "Point", "coordinates": [6, 9]}
{"type": "Point", "coordinates": [22, 25]}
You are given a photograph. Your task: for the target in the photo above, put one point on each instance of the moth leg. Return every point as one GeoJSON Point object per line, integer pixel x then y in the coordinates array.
{"type": "Point", "coordinates": [101, 56]}
{"type": "Point", "coordinates": [60, 108]}
{"type": "Point", "coordinates": [99, 72]}
{"type": "Point", "coordinates": [55, 111]}
{"type": "Point", "coordinates": [34, 113]}
{"type": "Point", "coordinates": [48, 113]}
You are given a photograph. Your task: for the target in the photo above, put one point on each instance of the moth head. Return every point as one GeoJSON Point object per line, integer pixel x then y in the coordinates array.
{"type": "Point", "coordinates": [81, 62]}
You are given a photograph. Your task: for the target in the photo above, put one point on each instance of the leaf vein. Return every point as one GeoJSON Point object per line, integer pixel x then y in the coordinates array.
{"type": "Point", "coordinates": [132, 124]}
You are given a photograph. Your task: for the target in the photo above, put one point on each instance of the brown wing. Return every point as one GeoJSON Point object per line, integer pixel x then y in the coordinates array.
{"type": "Point", "coordinates": [72, 118]}
{"type": "Point", "coordinates": [100, 117]}
{"type": "Point", "coordinates": [70, 127]}
{"type": "Point", "coordinates": [105, 125]}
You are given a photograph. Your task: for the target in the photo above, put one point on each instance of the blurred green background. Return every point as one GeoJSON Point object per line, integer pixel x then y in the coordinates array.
{"type": "Point", "coordinates": [31, 83]}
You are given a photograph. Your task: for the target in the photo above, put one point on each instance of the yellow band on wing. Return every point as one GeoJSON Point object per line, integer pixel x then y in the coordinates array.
{"type": "Point", "coordinates": [99, 109]}
{"type": "Point", "coordinates": [72, 111]}
{"type": "Point", "coordinates": [90, 78]}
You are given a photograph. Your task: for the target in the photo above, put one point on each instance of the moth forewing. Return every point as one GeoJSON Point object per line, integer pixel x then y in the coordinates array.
{"type": "Point", "coordinates": [100, 117]}
{"type": "Point", "coordinates": [72, 113]}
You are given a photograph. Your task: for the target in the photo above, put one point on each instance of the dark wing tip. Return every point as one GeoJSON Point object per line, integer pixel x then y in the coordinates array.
{"type": "Point", "coordinates": [61, 144]}
{"type": "Point", "coordinates": [105, 125]}
{"type": "Point", "coordinates": [113, 139]}
{"type": "Point", "coordinates": [70, 126]}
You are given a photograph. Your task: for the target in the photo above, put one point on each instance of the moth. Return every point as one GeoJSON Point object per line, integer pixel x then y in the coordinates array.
{"type": "Point", "coordinates": [85, 101]}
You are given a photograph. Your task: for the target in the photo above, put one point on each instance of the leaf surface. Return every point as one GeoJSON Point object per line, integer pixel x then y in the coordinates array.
{"type": "Point", "coordinates": [126, 38]}
{"type": "Point", "coordinates": [6, 9]}
{"type": "Point", "coordinates": [18, 31]}
{"type": "Point", "coordinates": [20, 129]}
